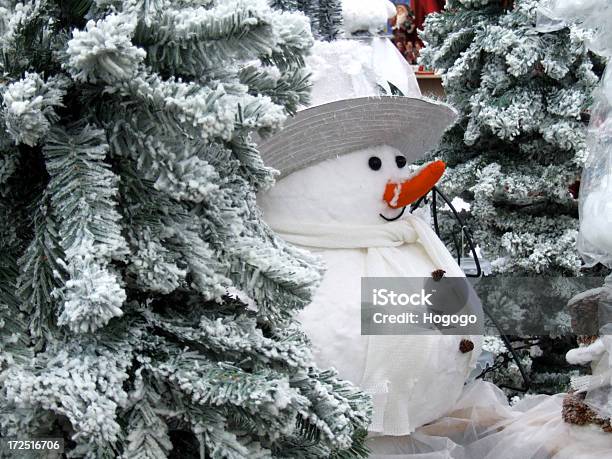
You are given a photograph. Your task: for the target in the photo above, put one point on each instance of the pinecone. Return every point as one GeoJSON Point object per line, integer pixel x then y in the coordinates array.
{"type": "Point", "coordinates": [576, 411]}
{"type": "Point", "coordinates": [586, 339]}
{"type": "Point", "coordinates": [438, 274]}
{"type": "Point", "coordinates": [466, 346]}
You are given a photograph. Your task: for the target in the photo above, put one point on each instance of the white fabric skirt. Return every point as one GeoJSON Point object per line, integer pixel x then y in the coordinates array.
{"type": "Point", "coordinates": [483, 426]}
{"type": "Point", "coordinates": [412, 379]}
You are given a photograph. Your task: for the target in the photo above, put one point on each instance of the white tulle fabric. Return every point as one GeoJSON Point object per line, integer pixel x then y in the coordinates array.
{"type": "Point", "coordinates": [345, 69]}
{"type": "Point", "coordinates": [412, 379]}
{"type": "Point", "coordinates": [595, 238]}
{"type": "Point", "coordinates": [483, 426]}
{"type": "Point", "coordinates": [594, 15]}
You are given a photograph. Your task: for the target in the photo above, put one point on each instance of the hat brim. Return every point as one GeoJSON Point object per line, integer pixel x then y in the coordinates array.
{"type": "Point", "coordinates": [411, 125]}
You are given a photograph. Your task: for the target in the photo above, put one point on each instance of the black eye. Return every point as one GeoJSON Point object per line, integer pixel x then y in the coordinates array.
{"type": "Point", "coordinates": [375, 163]}
{"type": "Point", "coordinates": [400, 161]}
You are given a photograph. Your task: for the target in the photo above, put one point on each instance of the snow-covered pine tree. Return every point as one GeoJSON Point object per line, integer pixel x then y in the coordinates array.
{"type": "Point", "coordinates": [516, 153]}
{"type": "Point", "coordinates": [325, 15]}
{"type": "Point", "coordinates": [330, 18]}
{"type": "Point", "coordinates": [517, 149]}
{"type": "Point", "coordinates": [144, 305]}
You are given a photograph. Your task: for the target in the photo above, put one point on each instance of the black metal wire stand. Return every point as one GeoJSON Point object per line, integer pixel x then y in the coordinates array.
{"type": "Point", "coordinates": [468, 236]}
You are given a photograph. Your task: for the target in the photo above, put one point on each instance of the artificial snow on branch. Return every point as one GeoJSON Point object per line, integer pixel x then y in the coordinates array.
{"type": "Point", "coordinates": [128, 217]}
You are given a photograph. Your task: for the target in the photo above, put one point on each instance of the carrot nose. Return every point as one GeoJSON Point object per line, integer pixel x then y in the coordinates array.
{"type": "Point", "coordinates": [398, 195]}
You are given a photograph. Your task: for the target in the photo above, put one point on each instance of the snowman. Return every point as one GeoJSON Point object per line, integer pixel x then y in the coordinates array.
{"type": "Point", "coordinates": [346, 179]}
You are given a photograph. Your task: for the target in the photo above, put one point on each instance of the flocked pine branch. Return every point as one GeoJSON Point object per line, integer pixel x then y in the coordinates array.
{"type": "Point", "coordinates": [147, 310]}
{"type": "Point", "coordinates": [325, 15]}
{"type": "Point", "coordinates": [516, 153]}
{"type": "Point", "coordinates": [518, 147]}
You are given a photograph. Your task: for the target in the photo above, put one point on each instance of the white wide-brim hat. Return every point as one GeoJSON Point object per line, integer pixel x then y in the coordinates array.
{"type": "Point", "coordinates": [348, 115]}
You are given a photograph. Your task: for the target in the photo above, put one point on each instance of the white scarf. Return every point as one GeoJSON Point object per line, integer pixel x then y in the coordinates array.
{"type": "Point", "coordinates": [387, 361]}
{"type": "Point", "coordinates": [408, 230]}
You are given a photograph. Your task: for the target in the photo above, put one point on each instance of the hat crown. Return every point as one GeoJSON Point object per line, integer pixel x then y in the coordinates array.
{"type": "Point", "coordinates": [341, 70]}
{"type": "Point", "coordinates": [349, 112]}
{"type": "Point", "coordinates": [352, 69]}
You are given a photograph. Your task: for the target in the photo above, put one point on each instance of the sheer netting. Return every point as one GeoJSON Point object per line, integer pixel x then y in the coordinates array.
{"type": "Point", "coordinates": [595, 17]}
{"type": "Point", "coordinates": [484, 426]}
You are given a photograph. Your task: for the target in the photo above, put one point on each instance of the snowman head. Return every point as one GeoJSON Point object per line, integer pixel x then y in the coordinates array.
{"type": "Point", "coordinates": [350, 157]}
{"type": "Point", "coordinates": [365, 187]}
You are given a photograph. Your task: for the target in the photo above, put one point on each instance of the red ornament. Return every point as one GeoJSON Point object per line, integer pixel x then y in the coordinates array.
{"type": "Point", "coordinates": [574, 189]}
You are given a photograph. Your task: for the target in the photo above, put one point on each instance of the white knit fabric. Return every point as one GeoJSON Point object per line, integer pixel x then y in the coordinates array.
{"type": "Point", "coordinates": [412, 379]}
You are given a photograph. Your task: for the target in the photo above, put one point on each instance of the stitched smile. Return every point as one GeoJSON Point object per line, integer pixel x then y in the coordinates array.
{"type": "Point", "coordinates": [392, 219]}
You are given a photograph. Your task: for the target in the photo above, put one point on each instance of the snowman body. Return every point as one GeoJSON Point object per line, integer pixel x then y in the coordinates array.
{"type": "Point", "coordinates": [412, 379]}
